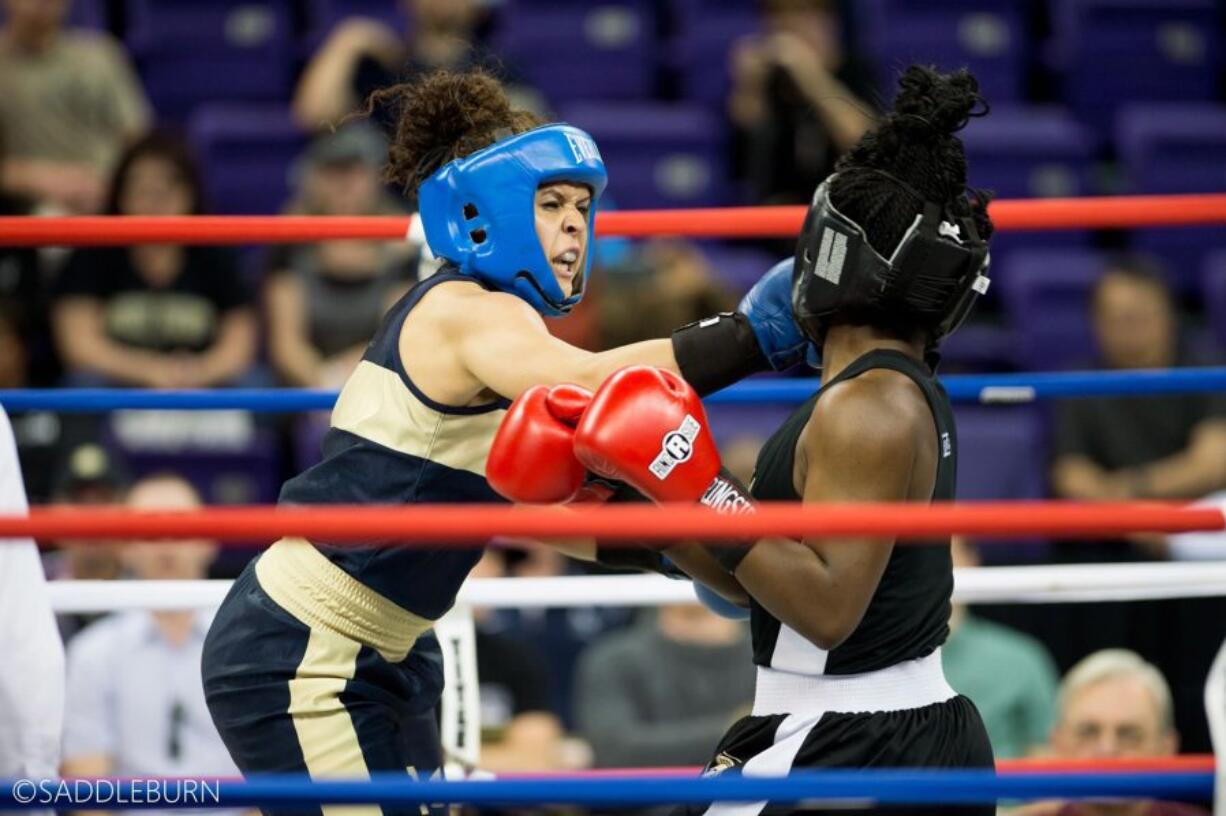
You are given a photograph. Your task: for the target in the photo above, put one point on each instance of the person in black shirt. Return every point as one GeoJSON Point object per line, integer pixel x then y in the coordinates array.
{"type": "Point", "coordinates": [361, 56]}
{"type": "Point", "coordinates": [846, 629]}
{"type": "Point", "coordinates": [1162, 446]}
{"type": "Point", "coordinates": [157, 315]}
{"type": "Point", "coordinates": [799, 100]}
{"type": "Point", "coordinates": [1169, 446]}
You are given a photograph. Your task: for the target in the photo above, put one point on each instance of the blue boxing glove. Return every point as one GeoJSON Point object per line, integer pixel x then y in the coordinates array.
{"type": "Point", "coordinates": [718, 604]}
{"type": "Point", "coordinates": [768, 306]}
{"type": "Point", "coordinates": [761, 335]}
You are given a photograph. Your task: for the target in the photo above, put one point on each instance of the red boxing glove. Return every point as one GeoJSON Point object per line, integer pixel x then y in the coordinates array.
{"type": "Point", "coordinates": [647, 427]}
{"type": "Point", "coordinates": [532, 458]}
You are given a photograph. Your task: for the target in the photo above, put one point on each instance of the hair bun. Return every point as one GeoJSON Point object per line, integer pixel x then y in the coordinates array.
{"type": "Point", "coordinates": [916, 144]}
{"type": "Point", "coordinates": [447, 107]}
{"type": "Point", "coordinates": [442, 116]}
{"type": "Point", "coordinates": [942, 102]}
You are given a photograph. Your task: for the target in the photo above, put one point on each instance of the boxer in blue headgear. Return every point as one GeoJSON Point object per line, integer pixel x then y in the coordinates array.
{"type": "Point", "coordinates": [478, 212]}
{"type": "Point", "coordinates": [508, 203]}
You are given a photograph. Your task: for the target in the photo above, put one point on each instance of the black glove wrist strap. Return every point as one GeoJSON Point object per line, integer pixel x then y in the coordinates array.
{"type": "Point", "coordinates": [717, 351]}
{"type": "Point", "coordinates": [632, 555]}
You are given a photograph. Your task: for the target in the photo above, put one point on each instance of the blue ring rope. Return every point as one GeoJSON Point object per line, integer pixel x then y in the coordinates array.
{"type": "Point", "coordinates": [887, 786]}
{"type": "Point", "coordinates": [986, 388]}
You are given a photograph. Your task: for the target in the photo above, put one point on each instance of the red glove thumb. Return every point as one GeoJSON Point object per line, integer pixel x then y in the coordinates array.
{"type": "Point", "coordinates": [532, 459]}
{"type": "Point", "coordinates": [567, 402]}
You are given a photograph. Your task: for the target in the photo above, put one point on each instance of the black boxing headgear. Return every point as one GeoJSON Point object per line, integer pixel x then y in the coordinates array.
{"type": "Point", "coordinates": [929, 283]}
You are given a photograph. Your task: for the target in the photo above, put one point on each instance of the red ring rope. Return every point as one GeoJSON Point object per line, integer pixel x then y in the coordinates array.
{"type": "Point", "coordinates": [731, 222]}
{"type": "Point", "coordinates": [469, 525]}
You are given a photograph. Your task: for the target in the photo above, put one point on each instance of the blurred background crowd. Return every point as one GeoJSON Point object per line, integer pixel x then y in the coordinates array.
{"type": "Point", "coordinates": [175, 107]}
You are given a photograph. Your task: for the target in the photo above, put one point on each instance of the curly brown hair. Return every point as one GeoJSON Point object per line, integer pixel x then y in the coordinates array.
{"type": "Point", "coordinates": [442, 116]}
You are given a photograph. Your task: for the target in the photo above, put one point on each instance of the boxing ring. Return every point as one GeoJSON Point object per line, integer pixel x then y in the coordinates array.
{"type": "Point", "coordinates": [1189, 777]}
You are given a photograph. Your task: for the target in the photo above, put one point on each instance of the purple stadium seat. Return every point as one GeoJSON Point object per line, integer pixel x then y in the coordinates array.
{"type": "Point", "coordinates": [1031, 152]}
{"type": "Point", "coordinates": [732, 422]}
{"type": "Point", "coordinates": [247, 154]}
{"type": "Point", "coordinates": [195, 51]}
{"type": "Point", "coordinates": [1176, 148]}
{"type": "Point", "coordinates": [991, 44]}
{"type": "Point", "coordinates": [1213, 287]}
{"type": "Point", "coordinates": [223, 476]}
{"type": "Point", "coordinates": [685, 13]}
{"type": "Point", "coordinates": [980, 345]}
{"type": "Point", "coordinates": [1000, 453]}
{"type": "Point", "coordinates": [88, 14]}
{"type": "Point", "coordinates": [309, 432]}
{"type": "Point", "coordinates": [738, 267]}
{"type": "Point", "coordinates": [1115, 51]}
{"type": "Point", "coordinates": [658, 155]}
{"type": "Point", "coordinates": [1002, 456]}
{"type": "Point", "coordinates": [583, 50]}
{"type": "Point", "coordinates": [1046, 295]}
{"type": "Point", "coordinates": [700, 53]}
{"type": "Point", "coordinates": [323, 15]}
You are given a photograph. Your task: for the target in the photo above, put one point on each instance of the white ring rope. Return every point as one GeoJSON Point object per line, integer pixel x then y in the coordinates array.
{"type": "Point", "coordinates": [1040, 584]}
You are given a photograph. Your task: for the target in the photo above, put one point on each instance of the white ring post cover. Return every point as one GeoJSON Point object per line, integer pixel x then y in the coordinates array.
{"type": "Point", "coordinates": [460, 703]}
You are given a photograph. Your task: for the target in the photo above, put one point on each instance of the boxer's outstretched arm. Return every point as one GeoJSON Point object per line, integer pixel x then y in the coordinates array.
{"type": "Point", "coordinates": [504, 344]}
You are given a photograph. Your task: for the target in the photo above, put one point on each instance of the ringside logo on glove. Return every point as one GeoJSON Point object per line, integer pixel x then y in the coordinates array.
{"type": "Point", "coordinates": [726, 496]}
{"type": "Point", "coordinates": [676, 448]}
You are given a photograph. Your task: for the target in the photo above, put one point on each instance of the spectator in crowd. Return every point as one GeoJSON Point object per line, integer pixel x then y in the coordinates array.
{"type": "Point", "coordinates": [135, 701]}
{"type": "Point", "coordinates": [13, 364]}
{"type": "Point", "coordinates": [1113, 705]}
{"type": "Point", "coordinates": [89, 477]}
{"type": "Point", "coordinates": [1008, 675]}
{"type": "Point", "coordinates": [1171, 446]}
{"type": "Point", "coordinates": [24, 350]}
{"type": "Point", "coordinates": [664, 691]}
{"type": "Point", "coordinates": [562, 633]}
{"type": "Point", "coordinates": [160, 315]}
{"type": "Point", "coordinates": [325, 300]}
{"type": "Point", "coordinates": [519, 731]}
{"type": "Point", "coordinates": [69, 102]}
{"type": "Point", "coordinates": [799, 100]}
{"type": "Point", "coordinates": [362, 55]}
{"type": "Point", "coordinates": [668, 284]}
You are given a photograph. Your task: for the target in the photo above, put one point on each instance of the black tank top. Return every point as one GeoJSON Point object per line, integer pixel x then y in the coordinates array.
{"type": "Point", "coordinates": [908, 616]}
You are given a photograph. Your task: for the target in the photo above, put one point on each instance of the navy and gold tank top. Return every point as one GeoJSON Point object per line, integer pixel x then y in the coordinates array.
{"type": "Point", "coordinates": [388, 443]}
{"type": "Point", "coordinates": [908, 616]}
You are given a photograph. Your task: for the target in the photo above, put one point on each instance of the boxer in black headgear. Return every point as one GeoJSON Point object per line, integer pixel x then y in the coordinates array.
{"type": "Point", "coordinates": [847, 630]}
{"type": "Point", "coordinates": [927, 284]}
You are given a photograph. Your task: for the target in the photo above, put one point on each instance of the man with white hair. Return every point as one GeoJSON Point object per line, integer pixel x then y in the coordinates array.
{"type": "Point", "coordinates": [135, 703]}
{"type": "Point", "coordinates": [1113, 705]}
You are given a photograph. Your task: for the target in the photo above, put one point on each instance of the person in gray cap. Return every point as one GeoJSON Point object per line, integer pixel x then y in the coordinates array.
{"type": "Point", "coordinates": [325, 299]}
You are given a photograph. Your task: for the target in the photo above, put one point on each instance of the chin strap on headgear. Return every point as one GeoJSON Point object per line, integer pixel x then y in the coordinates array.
{"type": "Point", "coordinates": [479, 212]}
{"type": "Point", "coordinates": [930, 282]}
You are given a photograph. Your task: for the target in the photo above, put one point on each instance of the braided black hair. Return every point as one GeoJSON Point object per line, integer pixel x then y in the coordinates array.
{"type": "Point", "coordinates": [915, 144]}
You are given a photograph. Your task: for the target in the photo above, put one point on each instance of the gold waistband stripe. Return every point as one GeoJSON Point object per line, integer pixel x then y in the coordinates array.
{"type": "Point", "coordinates": [303, 582]}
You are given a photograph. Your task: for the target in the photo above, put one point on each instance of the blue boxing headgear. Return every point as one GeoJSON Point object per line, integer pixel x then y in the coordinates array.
{"type": "Point", "coordinates": [479, 211]}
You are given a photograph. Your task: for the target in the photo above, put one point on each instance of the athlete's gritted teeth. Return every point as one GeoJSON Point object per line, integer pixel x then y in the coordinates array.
{"type": "Point", "coordinates": [564, 263]}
